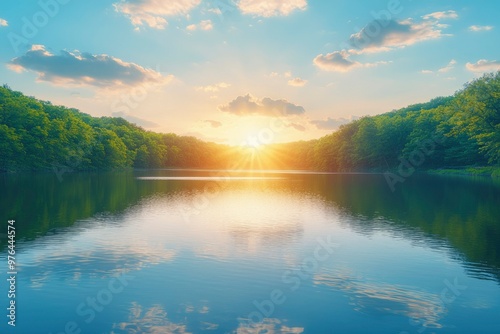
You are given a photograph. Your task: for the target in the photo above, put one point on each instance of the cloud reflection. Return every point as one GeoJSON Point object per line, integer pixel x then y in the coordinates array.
{"type": "Point", "coordinates": [374, 297]}
{"type": "Point", "coordinates": [268, 326]}
{"type": "Point", "coordinates": [153, 320]}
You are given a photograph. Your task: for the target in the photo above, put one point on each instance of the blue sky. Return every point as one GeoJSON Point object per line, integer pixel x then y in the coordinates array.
{"type": "Point", "coordinates": [225, 71]}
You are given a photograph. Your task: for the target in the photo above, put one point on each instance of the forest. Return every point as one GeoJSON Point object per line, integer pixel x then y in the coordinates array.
{"type": "Point", "coordinates": [458, 131]}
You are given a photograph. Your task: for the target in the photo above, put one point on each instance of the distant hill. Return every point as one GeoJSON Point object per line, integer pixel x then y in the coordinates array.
{"type": "Point", "coordinates": [456, 131]}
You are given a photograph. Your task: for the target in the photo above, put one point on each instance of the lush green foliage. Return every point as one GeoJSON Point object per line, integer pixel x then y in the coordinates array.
{"type": "Point", "coordinates": [462, 130]}
{"type": "Point", "coordinates": [456, 131]}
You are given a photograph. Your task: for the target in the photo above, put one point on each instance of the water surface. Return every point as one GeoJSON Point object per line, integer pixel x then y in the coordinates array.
{"type": "Point", "coordinates": [252, 252]}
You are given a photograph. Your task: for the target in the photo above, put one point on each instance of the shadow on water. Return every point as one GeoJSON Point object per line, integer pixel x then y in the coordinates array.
{"type": "Point", "coordinates": [442, 212]}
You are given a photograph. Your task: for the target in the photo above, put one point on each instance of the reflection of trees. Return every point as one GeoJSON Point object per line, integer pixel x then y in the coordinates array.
{"type": "Point", "coordinates": [441, 211]}
{"type": "Point", "coordinates": [458, 212]}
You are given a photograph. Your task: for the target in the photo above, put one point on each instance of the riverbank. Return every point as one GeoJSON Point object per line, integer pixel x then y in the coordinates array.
{"type": "Point", "coordinates": [493, 172]}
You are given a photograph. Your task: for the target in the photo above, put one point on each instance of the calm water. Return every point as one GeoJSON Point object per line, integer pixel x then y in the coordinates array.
{"type": "Point", "coordinates": [212, 252]}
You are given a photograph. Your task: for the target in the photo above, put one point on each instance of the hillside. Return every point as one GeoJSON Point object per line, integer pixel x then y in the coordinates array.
{"type": "Point", "coordinates": [456, 131]}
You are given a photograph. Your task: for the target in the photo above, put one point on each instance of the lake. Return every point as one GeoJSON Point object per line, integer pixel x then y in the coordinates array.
{"type": "Point", "coordinates": [190, 251]}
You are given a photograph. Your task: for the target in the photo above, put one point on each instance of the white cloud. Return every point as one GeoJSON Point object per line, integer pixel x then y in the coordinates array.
{"type": "Point", "coordinates": [153, 12]}
{"type": "Point", "coordinates": [249, 105]}
{"type": "Point", "coordinates": [268, 8]}
{"type": "Point", "coordinates": [213, 88]}
{"type": "Point", "coordinates": [449, 14]}
{"type": "Point", "coordinates": [385, 35]}
{"type": "Point", "coordinates": [3, 23]}
{"type": "Point", "coordinates": [426, 72]}
{"type": "Point", "coordinates": [203, 25]}
{"type": "Point", "coordinates": [475, 28]}
{"type": "Point", "coordinates": [449, 67]}
{"type": "Point", "coordinates": [339, 61]}
{"type": "Point", "coordinates": [297, 82]}
{"type": "Point", "coordinates": [484, 65]}
{"type": "Point", "coordinates": [81, 68]}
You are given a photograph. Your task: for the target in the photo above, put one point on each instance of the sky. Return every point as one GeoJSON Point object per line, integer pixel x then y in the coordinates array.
{"type": "Point", "coordinates": [245, 71]}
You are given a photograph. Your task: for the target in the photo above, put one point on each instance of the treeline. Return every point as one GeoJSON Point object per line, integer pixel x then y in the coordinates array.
{"type": "Point", "coordinates": [447, 132]}
{"type": "Point", "coordinates": [36, 135]}
{"type": "Point", "coordinates": [456, 131]}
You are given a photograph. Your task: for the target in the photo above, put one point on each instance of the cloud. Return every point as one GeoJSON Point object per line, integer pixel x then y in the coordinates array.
{"type": "Point", "coordinates": [136, 120]}
{"type": "Point", "coordinates": [331, 123]}
{"type": "Point", "coordinates": [153, 12]}
{"type": "Point", "coordinates": [79, 68]}
{"type": "Point", "coordinates": [426, 72]}
{"type": "Point", "coordinates": [213, 88]}
{"type": "Point", "coordinates": [449, 14]}
{"type": "Point", "coordinates": [297, 82]}
{"type": "Point", "coordinates": [484, 65]}
{"type": "Point", "coordinates": [249, 105]}
{"type": "Point", "coordinates": [3, 23]}
{"type": "Point", "coordinates": [296, 126]}
{"type": "Point", "coordinates": [204, 25]}
{"type": "Point", "coordinates": [382, 35]}
{"type": "Point", "coordinates": [449, 67]}
{"type": "Point", "coordinates": [213, 124]}
{"type": "Point", "coordinates": [480, 28]}
{"type": "Point", "coordinates": [339, 61]}
{"type": "Point", "coordinates": [385, 35]}
{"type": "Point", "coordinates": [268, 8]}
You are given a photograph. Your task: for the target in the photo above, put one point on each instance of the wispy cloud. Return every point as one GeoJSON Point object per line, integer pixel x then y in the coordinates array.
{"type": "Point", "coordinates": [484, 65]}
{"type": "Point", "coordinates": [297, 82]}
{"type": "Point", "coordinates": [383, 35]}
{"type": "Point", "coordinates": [153, 13]}
{"type": "Point", "coordinates": [213, 88]}
{"type": "Point", "coordinates": [3, 23]}
{"type": "Point", "coordinates": [296, 126]}
{"type": "Point", "coordinates": [449, 67]}
{"type": "Point", "coordinates": [332, 123]}
{"type": "Point", "coordinates": [449, 14]}
{"type": "Point", "coordinates": [81, 68]}
{"type": "Point", "coordinates": [394, 34]}
{"type": "Point", "coordinates": [268, 8]}
{"type": "Point", "coordinates": [475, 28]}
{"type": "Point", "coordinates": [249, 105]}
{"type": "Point", "coordinates": [204, 25]}
{"type": "Point", "coordinates": [213, 124]}
{"type": "Point", "coordinates": [339, 61]}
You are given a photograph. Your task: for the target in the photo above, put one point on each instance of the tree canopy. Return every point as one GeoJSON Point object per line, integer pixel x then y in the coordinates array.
{"type": "Point", "coordinates": [460, 130]}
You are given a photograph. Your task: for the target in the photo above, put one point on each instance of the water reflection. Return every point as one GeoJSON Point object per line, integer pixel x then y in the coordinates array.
{"type": "Point", "coordinates": [153, 320]}
{"type": "Point", "coordinates": [380, 298]}
{"type": "Point", "coordinates": [203, 274]}
{"type": "Point", "coordinates": [268, 326]}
